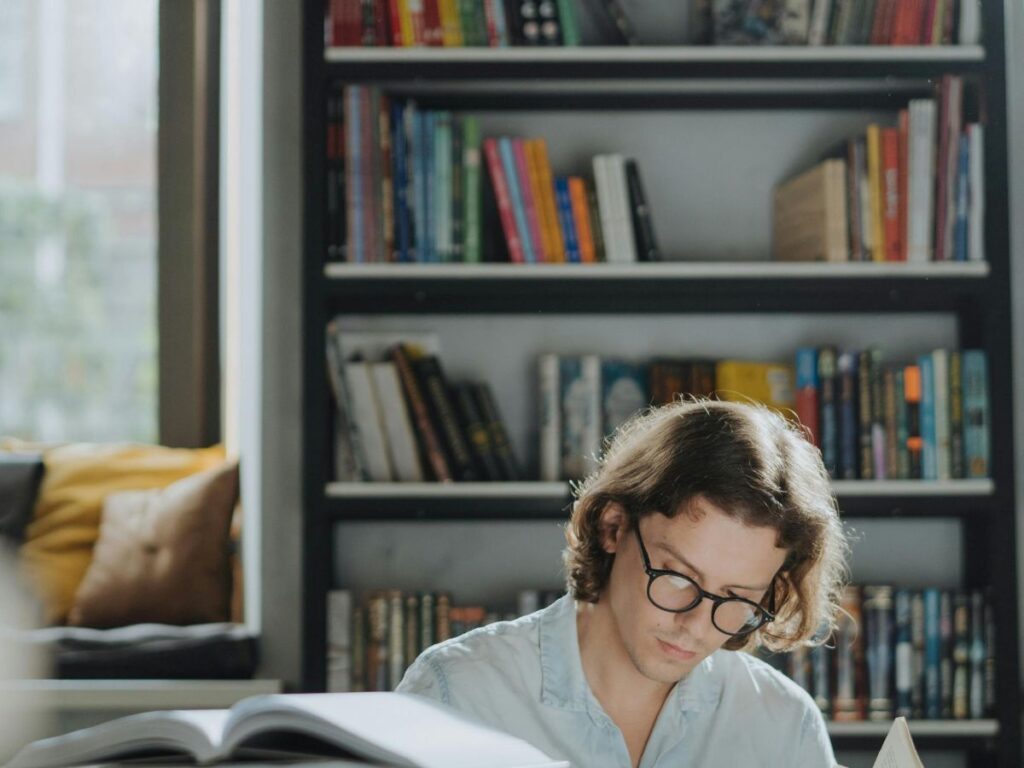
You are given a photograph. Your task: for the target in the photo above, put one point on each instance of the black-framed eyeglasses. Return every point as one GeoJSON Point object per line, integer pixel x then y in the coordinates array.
{"type": "Point", "coordinates": [676, 593]}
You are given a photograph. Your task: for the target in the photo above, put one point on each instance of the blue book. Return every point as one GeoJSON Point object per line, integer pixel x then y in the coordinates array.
{"type": "Point", "coordinates": [353, 172]}
{"type": "Point", "coordinates": [849, 435]}
{"type": "Point", "coordinates": [962, 200]}
{"type": "Point", "coordinates": [932, 655]}
{"type": "Point", "coordinates": [807, 390]}
{"type": "Point", "coordinates": [828, 397]}
{"type": "Point", "coordinates": [564, 201]}
{"type": "Point", "coordinates": [974, 367]}
{"type": "Point", "coordinates": [624, 392]}
{"type": "Point", "coordinates": [902, 434]}
{"type": "Point", "coordinates": [429, 245]}
{"type": "Point", "coordinates": [419, 182]}
{"type": "Point", "coordinates": [442, 186]}
{"type": "Point", "coordinates": [572, 396]}
{"type": "Point", "coordinates": [400, 161]}
{"type": "Point", "coordinates": [508, 162]}
{"type": "Point", "coordinates": [904, 656]}
{"type": "Point", "coordinates": [929, 457]}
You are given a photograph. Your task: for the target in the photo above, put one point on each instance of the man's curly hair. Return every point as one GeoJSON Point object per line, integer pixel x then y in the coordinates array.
{"type": "Point", "coordinates": [746, 460]}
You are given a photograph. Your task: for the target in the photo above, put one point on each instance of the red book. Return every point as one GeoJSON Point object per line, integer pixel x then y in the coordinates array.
{"type": "Point", "coordinates": [395, 23]}
{"type": "Point", "coordinates": [877, 36]}
{"type": "Point", "coordinates": [381, 26]}
{"type": "Point", "coordinates": [500, 184]}
{"type": "Point", "coordinates": [927, 22]}
{"type": "Point", "coordinates": [904, 148]}
{"type": "Point", "coordinates": [891, 192]}
{"type": "Point", "coordinates": [432, 34]}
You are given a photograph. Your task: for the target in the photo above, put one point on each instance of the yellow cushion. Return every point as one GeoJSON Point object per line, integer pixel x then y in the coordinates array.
{"type": "Point", "coordinates": [65, 525]}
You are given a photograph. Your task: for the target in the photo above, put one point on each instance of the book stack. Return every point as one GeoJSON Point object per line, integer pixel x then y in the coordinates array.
{"type": "Point", "coordinates": [872, 420]}
{"type": "Point", "coordinates": [423, 186]}
{"type": "Point", "coordinates": [910, 192]}
{"type": "Point", "coordinates": [834, 22]}
{"type": "Point", "coordinates": [371, 643]}
{"type": "Point", "coordinates": [399, 418]}
{"type": "Point", "coordinates": [922, 654]}
{"type": "Point", "coordinates": [450, 23]}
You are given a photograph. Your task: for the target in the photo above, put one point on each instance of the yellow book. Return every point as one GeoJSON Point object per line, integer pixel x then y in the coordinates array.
{"type": "Point", "coordinates": [768, 383]}
{"type": "Point", "coordinates": [540, 200]}
{"type": "Point", "coordinates": [547, 184]}
{"type": "Point", "coordinates": [874, 143]}
{"type": "Point", "coordinates": [451, 24]}
{"type": "Point", "coordinates": [405, 24]}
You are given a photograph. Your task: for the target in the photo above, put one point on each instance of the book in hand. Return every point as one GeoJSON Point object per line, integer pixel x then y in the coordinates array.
{"type": "Point", "coordinates": [898, 748]}
{"type": "Point", "coordinates": [382, 729]}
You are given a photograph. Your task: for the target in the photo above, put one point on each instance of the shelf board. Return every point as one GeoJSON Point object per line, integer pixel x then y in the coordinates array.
{"type": "Point", "coordinates": [597, 62]}
{"type": "Point", "coordinates": [549, 501]}
{"type": "Point", "coordinates": [675, 287]}
{"type": "Point", "coordinates": [678, 270]}
{"type": "Point", "coordinates": [87, 695]}
{"type": "Point", "coordinates": [918, 729]}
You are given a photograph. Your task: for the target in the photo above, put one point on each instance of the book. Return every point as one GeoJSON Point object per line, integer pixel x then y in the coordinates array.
{"type": "Point", "coordinates": [898, 749]}
{"type": "Point", "coordinates": [809, 215]}
{"type": "Point", "coordinates": [388, 729]}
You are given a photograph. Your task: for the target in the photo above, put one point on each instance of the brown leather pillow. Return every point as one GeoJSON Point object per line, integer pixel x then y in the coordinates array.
{"type": "Point", "coordinates": [162, 555]}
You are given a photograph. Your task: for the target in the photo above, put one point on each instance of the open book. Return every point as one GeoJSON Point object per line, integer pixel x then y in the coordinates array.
{"type": "Point", "coordinates": [898, 748]}
{"type": "Point", "coordinates": [382, 729]}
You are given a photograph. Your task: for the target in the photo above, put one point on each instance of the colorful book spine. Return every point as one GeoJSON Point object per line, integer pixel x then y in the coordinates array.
{"type": "Point", "coordinates": [977, 416]}
{"type": "Point", "coordinates": [904, 656]}
{"type": "Point", "coordinates": [932, 654]}
{"type": "Point", "coordinates": [581, 219]}
{"type": "Point", "coordinates": [565, 218]}
{"type": "Point", "coordinates": [829, 420]}
{"type": "Point", "coordinates": [503, 194]}
{"type": "Point", "coordinates": [940, 400]}
{"type": "Point", "coordinates": [878, 619]}
{"type": "Point", "coordinates": [929, 461]}
{"type": "Point", "coordinates": [508, 163]}
{"type": "Point", "coordinates": [848, 434]}
{"type": "Point", "coordinates": [807, 406]}
{"type": "Point", "coordinates": [527, 185]}
{"type": "Point", "coordinates": [472, 251]}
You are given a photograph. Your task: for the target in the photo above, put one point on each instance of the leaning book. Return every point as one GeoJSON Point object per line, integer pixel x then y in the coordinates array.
{"type": "Point", "coordinates": [380, 729]}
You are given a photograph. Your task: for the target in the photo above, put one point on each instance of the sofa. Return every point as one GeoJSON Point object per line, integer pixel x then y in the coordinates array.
{"type": "Point", "coordinates": [130, 553]}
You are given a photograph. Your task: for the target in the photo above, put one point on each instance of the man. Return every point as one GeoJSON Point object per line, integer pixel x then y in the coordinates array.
{"type": "Point", "coordinates": [709, 527]}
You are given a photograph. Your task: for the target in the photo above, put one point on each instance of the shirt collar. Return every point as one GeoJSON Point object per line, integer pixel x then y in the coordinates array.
{"type": "Point", "coordinates": [564, 685]}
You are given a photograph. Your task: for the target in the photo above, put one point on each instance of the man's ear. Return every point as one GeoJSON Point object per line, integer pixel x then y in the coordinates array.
{"type": "Point", "coordinates": [613, 525]}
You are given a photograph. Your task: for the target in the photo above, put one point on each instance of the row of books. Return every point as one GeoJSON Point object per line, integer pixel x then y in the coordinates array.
{"type": "Point", "coordinates": [928, 420]}
{"type": "Point", "coordinates": [450, 23]}
{"type": "Point", "coordinates": [407, 185]}
{"type": "Point", "coordinates": [500, 23]}
{"type": "Point", "coordinates": [923, 654]}
{"type": "Point", "coordinates": [372, 641]}
{"type": "Point", "coordinates": [833, 22]}
{"type": "Point", "coordinates": [872, 420]}
{"type": "Point", "coordinates": [399, 418]}
{"type": "Point", "coordinates": [910, 192]}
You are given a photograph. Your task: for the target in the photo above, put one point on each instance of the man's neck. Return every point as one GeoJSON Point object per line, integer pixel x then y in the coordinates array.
{"type": "Point", "coordinates": [613, 677]}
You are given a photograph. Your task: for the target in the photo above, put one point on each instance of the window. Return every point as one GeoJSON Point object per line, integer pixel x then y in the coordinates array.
{"type": "Point", "coordinates": [78, 224]}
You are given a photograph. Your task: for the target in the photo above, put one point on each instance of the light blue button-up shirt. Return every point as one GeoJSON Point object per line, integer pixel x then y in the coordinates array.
{"type": "Point", "coordinates": [525, 677]}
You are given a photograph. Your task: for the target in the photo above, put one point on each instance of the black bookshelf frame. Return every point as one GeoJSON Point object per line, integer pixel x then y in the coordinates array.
{"type": "Point", "coordinates": [885, 77]}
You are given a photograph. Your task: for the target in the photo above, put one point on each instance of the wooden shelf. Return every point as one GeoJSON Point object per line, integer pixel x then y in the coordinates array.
{"type": "Point", "coordinates": [550, 501]}
{"type": "Point", "coordinates": [665, 270]}
{"type": "Point", "coordinates": [676, 287]}
{"type": "Point", "coordinates": [595, 62]}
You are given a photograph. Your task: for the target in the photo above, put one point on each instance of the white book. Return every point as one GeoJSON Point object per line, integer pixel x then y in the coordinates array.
{"type": "Point", "coordinates": [921, 185]}
{"type": "Point", "coordinates": [602, 185]}
{"type": "Point", "coordinates": [593, 424]}
{"type": "Point", "coordinates": [368, 421]}
{"type": "Point", "coordinates": [622, 210]}
{"type": "Point", "coordinates": [940, 371]}
{"type": "Point", "coordinates": [349, 463]}
{"type": "Point", "coordinates": [549, 418]}
{"type": "Point", "coordinates": [898, 748]}
{"type": "Point", "coordinates": [351, 729]}
{"type": "Point", "coordinates": [339, 640]}
{"type": "Point", "coordinates": [399, 434]}
{"type": "Point", "coordinates": [976, 192]}
{"type": "Point", "coordinates": [818, 33]}
{"type": "Point", "coordinates": [970, 22]}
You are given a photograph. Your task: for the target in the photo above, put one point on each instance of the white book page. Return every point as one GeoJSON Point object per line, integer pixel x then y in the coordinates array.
{"type": "Point", "coordinates": [393, 728]}
{"type": "Point", "coordinates": [196, 732]}
{"type": "Point", "coordinates": [898, 748]}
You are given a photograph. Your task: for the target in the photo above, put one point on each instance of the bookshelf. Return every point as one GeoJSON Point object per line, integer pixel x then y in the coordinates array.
{"type": "Point", "coordinates": [839, 88]}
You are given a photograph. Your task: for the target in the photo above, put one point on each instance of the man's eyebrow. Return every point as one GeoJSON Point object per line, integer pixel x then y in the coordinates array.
{"type": "Point", "coordinates": [699, 574]}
